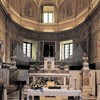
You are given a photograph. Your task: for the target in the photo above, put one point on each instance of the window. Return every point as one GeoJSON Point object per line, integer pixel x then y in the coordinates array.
{"type": "Point", "coordinates": [27, 49]}
{"type": "Point", "coordinates": [48, 17]}
{"type": "Point", "coordinates": [68, 50]}
{"type": "Point", "coordinates": [48, 14]}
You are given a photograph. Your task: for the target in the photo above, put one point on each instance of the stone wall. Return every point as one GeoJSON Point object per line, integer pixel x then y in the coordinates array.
{"type": "Point", "coordinates": [95, 34]}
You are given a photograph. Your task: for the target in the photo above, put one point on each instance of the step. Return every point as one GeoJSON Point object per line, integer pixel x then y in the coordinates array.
{"type": "Point", "coordinates": [88, 98]}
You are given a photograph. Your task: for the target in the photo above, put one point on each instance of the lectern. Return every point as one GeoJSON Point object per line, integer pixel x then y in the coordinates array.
{"type": "Point", "coordinates": [20, 85]}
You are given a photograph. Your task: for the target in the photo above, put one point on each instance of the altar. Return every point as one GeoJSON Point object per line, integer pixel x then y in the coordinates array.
{"type": "Point", "coordinates": [53, 92]}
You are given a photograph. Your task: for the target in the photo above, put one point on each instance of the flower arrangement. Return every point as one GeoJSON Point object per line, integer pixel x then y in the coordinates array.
{"type": "Point", "coordinates": [35, 85]}
{"type": "Point", "coordinates": [61, 67]}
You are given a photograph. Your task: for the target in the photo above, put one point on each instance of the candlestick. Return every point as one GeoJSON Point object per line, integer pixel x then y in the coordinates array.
{"type": "Point", "coordinates": [75, 82]}
{"type": "Point", "coordinates": [70, 79]}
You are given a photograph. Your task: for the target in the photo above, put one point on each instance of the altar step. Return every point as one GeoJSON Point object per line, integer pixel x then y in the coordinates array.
{"type": "Point", "coordinates": [88, 98]}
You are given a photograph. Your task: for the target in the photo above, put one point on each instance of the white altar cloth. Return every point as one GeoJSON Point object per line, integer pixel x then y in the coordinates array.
{"type": "Point", "coordinates": [53, 92]}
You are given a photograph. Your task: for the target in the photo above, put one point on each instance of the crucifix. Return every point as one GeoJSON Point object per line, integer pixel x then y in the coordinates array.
{"type": "Point", "coordinates": [49, 49]}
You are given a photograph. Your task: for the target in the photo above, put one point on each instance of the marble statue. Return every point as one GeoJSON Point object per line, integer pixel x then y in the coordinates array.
{"type": "Point", "coordinates": [85, 58]}
{"type": "Point", "coordinates": [85, 62]}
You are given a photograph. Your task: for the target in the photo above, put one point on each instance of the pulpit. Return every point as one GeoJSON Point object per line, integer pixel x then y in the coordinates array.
{"type": "Point", "coordinates": [49, 63]}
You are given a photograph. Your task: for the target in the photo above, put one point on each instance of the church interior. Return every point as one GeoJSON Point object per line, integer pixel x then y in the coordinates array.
{"type": "Point", "coordinates": [49, 49]}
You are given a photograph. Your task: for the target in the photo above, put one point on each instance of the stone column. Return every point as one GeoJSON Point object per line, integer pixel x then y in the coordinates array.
{"type": "Point", "coordinates": [86, 76]}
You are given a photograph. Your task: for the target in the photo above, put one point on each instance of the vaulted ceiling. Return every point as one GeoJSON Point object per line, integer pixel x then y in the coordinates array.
{"type": "Point", "coordinates": [65, 8]}
{"type": "Point", "coordinates": [68, 13]}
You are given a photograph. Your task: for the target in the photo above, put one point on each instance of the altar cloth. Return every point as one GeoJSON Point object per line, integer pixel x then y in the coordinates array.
{"type": "Point", "coordinates": [53, 92]}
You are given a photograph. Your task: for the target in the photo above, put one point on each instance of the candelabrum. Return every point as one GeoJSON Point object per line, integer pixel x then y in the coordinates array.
{"type": "Point", "coordinates": [20, 85]}
{"type": "Point", "coordinates": [69, 84]}
{"type": "Point", "coordinates": [75, 83]}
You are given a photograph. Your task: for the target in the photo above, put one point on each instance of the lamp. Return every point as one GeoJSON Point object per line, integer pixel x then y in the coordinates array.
{"type": "Point", "coordinates": [20, 85]}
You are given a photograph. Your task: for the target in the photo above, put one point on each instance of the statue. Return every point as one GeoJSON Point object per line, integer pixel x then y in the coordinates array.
{"type": "Point", "coordinates": [86, 70]}
{"type": "Point", "coordinates": [85, 62]}
{"type": "Point", "coordinates": [85, 58]}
